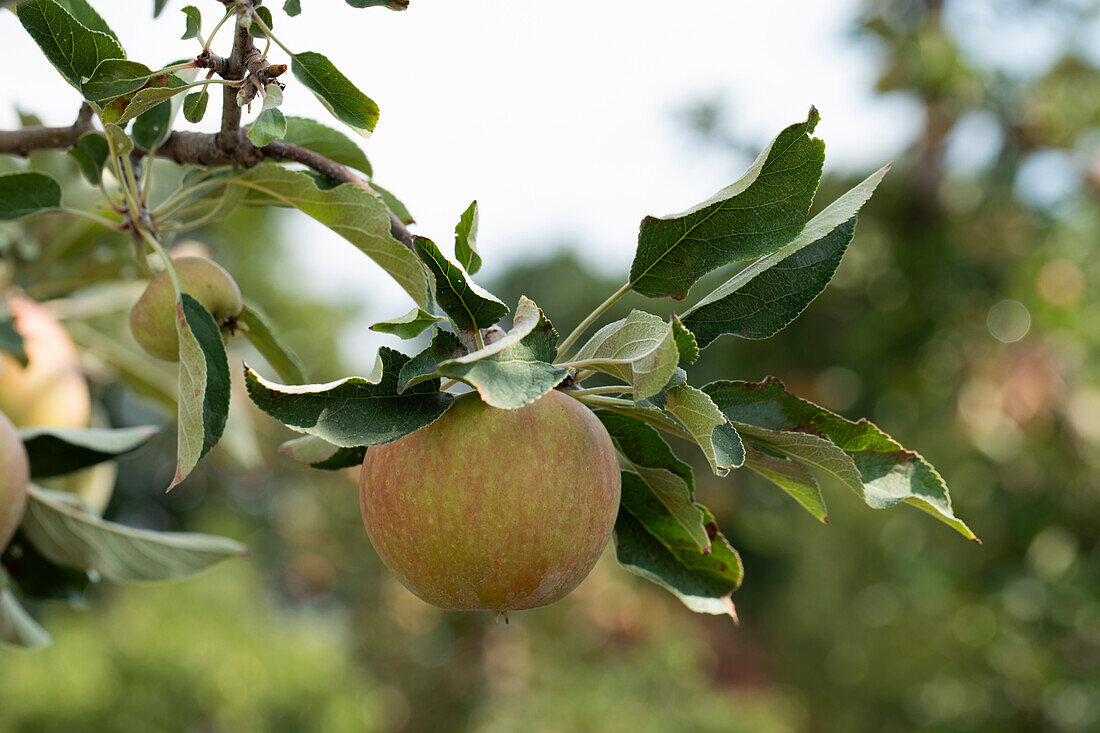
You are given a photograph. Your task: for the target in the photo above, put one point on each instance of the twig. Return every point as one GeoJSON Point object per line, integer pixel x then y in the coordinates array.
{"type": "Point", "coordinates": [23, 142]}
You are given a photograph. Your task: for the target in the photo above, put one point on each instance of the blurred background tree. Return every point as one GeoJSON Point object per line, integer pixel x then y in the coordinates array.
{"type": "Point", "coordinates": [964, 320]}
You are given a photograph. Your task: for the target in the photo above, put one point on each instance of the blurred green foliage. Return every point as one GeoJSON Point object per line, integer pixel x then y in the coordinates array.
{"type": "Point", "coordinates": [877, 622]}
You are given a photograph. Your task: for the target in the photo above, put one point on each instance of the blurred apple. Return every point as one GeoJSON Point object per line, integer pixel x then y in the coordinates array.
{"type": "Point", "coordinates": [14, 475]}
{"type": "Point", "coordinates": [494, 509]}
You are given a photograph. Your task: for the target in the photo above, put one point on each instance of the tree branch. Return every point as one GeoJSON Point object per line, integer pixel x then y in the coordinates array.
{"type": "Point", "coordinates": [22, 142]}
{"type": "Point", "coordinates": [235, 69]}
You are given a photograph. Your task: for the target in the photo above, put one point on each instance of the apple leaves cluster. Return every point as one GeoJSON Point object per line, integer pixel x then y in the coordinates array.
{"type": "Point", "coordinates": [63, 544]}
{"type": "Point", "coordinates": [638, 364]}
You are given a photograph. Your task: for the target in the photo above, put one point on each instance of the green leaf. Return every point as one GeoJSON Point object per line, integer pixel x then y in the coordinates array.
{"type": "Point", "coordinates": [57, 451]}
{"type": "Point", "coordinates": [194, 105]}
{"type": "Point", "coordinates": [24, 194]}
{"type": "Point", "coordinates": [467, 305]}
{"type": "Point", "coordinates": [767, 295]}
{"type": "Point", "coordinates": [509, 373]}
{"type": "Point", "coordinates": [158, 6]}
{"type": "Point", "coordinates": [707, 426]}
{"type": "Point", "coordinates": [408, 326]}
{"type": "Point", "coordinates": [890, 474]}
{"type": "Point", "coordinates": [292, 7]}
{"type": "Point", "coordinates": [11, 341]}
{"type": "Point", "coordinates": [74, 49]}
{"type": "Point", "coordinates": [793, 478]}
{"type": "Point", "coordinates": [114, 78]}
{"type": "Point", "coordinates": [90, 153]}
{"type": "Point", "coordinates": [270, 125]}
{"type": "Point", "coordinates": [391, 4]}
{"type": "Point", "coordinates": [318, 453]}
{"type": "Point", "coordinates": [444, 347]}
{"type": "Point", "coordinates": [650, 543]}
{"type": "Point", "coordinates": [73, 538]}
{"type": "Point", "coordinates": [265, 15]}
{"type": "Point", "coordinates": [349, 211]}
{"type": "Point", "coordinates": [394, 204]}
{"type": "Point", "coordinates": [334, 145]}
{"type": "Point", "coordinates": [145, 100]}
{"type": "Point", "coordinates": [121, 142]}
{"type": "Point", "coordinates": [354, 411]}
{"type": "Point", "coordinates": [758, 214]}
{"type": "Point", "coordinates": [153, 126]}
{"type": "Point", "coordinates": [203, 385]}
{"type": "Point", "coordinates": [194, 22]}
{"type": "Point", "coordinates": [805, 448]}
{"type": "Point", "coordinates": [336, 92]}
{"type": "Point", "coordinates": [37, 578]}
{"type": "Point", "coordinates": [17, 627]}
{"type": "Point", "coordinates": [668, 478]}
{"type": "Point", "coordinates": [685, 341]}
{"type": "Point", "coordinates": [466, 240]}
{"type": "Point", "coordinates": [285, 363]}
{"type": "Point", "coordinates": [86, 15]}
{"type": "Point", "coordinates": [639, 349]}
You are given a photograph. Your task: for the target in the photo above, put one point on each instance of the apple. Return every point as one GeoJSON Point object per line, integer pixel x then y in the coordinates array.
{"type": "Point", "coordinates": [153, 317]}
{"type": "Point", "coordinates": [494, 509]}
{"type": "Point", "coordinates": [51, 389]}
{"type": "Point", "coordinates": [14, 476]}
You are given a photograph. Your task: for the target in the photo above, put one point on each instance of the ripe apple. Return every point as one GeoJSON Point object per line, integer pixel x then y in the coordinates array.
{"type": "Point", "coordinates": [153, 317]}
{"type": "Point", "coordinates": [14, 475]}
{"type": "Point", "coordinates": [494, 509]}
{"type": "Point", "coordinates": [50, 390]}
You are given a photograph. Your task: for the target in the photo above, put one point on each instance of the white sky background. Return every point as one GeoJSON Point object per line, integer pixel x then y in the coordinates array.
{"type": "Point", "coordinates": [561, 119]}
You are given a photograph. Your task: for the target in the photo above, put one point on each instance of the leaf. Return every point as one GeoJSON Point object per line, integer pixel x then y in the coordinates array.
{"type": "Point", "coordinates": [466, 240]}
{"type": "Point", "coordinates": [145, 100]}
{"type": "Point", "coordinates": [805, 448]}
{"type": "Point", "coordinates": [74, 49]}
{"type": "Point", "coordinates": [292, 7]}
{"type": "Point", "coordinates": [90, 153]}
{"type": "Point", "coordinates": [24, 194]}
{"type": "Point", "coordinates": [158, 6]}
{"type": "Point", "coordinates": [509, 373]}
{"type": "Point", "coordinates": [194, 105]}
{"type": "Point", "coordinates": [318, 453]}
{"type": "Point", "coordinates": [194, 22]}
{"type": "Point", "coordinates": [669, 478]}
{"type": "Point", "coordinates": [349, 211]}
{"type": "Point", "coordinates": [57, 451]}
{"type": "Point", "coordinates": [73, 538]}
{"type": "Point", "coordinates": [444, 347]}
{"type": "Point", "coordinates": [119, 140]}
{"type": "Point", "coordinates": [17, 627]}
{"type": "Point", "coordinates": [39, 579]}
{"type": "Point", "coordinates": [639, 349]}
{"type": "Point", "coordinates": [285, 363]}
{"type": "Point", "coordinates": [336, 92]}
{"type": "Point", "coordinates": [270, 125]}
{"type": "Point", "coordinates": [11, 341]}
{"type": "Point", "coordinates": [354, 411]}
{"type": "Point", "coordinates": [335, 146]}
{"type": "Point", "coordinates": [685, 341]}
{"type": "Point", "coordinates": [203, 385]}
{"type": "Point", "coordinates": [114, 78]}
{"type": "Point", "coordinates": [758, 214]}
{"type": "Point", "coordinates": [391, 4]}
{"type": "Point", "coordinates": [707, 426]}
{"type": "Point", "coordinates": [791, 477]}
{"type": "Point", "coordinates": [650, 543]}
{"type": "Point", "coordinates": [265, 15]}
{"type": "Point", "coordinates": [408, 326]}
{"type": "Point", "coordinates": [152, 127]}
{"type": "Point", "coordinates": [890, 474]}
{"type": "Point", "coordinates": [467, 305]}
{"type": "Point", "coordinates": [767, 295]}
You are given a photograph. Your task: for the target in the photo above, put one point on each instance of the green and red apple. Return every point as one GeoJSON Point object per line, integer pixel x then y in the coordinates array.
{"type": "Point", "coordinates": [14, 476]}
{"type": "Point", "coordinates": [494, 509]}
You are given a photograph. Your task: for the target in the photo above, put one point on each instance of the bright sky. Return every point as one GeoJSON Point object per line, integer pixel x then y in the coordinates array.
{"type": "Point", "coordinates": [559, 118]}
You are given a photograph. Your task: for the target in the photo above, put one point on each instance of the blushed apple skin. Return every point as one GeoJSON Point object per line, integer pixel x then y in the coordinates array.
{"type": "Point", "coordinates": [489, 509]}
{"type": "Point", "coordinates": [51, 389]}
{"type": "Point", "coordinates": [14, 475]}
{"type": "Point", "coordinates": [153, 317]}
